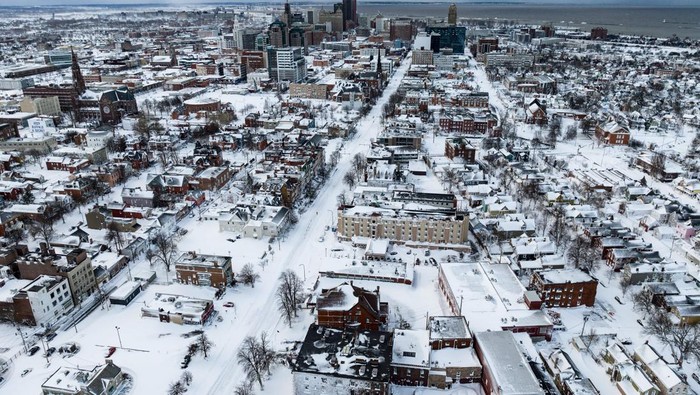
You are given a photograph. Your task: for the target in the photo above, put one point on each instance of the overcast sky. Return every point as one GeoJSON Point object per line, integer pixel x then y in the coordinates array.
{"type": "Point", "coordinates": [190, 2]}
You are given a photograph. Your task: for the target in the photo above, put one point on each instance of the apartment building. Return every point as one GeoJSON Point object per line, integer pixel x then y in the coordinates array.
{"type": "Point", "coordinates": [564, 288]}
{"type": "Point", "coordinates": [378, 223]}
{"type": "Point", "coordinates": [42, 301]}
{"type": "Point", "coordinates": [76, 266]}
{"type": "Point", "coordinates": [203, 269]}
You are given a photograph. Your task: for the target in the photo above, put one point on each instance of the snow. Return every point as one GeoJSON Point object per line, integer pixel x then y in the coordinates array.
{"type": "Point", "coordinates": [411, 347]}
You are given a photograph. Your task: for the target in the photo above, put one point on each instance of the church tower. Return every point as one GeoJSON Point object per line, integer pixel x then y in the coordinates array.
{"type": "Point", "coordinates": [78, 80]}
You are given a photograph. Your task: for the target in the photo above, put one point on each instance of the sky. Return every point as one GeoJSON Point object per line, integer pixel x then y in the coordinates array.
{"type": "Point", "coordinates": [480, 2]}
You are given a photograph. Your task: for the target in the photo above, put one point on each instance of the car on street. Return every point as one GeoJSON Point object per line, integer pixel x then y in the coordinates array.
{"type": "Point", "coordinates": [111, 351]}
{"type": "Point", "coordinates": [186, 361]}
{"type": "Point", "coordinates": [228, 304]}
{"type": "Point", "coordinates": [50, 351]}
{"type": "Point", "coordinates": [26, 372]}
{"type": "Point", "coordinates": [50, 336]}
{"type": "Point", "coordinates": [33, 350]}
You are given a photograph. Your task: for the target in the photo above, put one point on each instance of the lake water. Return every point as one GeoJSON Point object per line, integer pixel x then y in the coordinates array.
{"type": "Point", "coordinates": [659, 22]}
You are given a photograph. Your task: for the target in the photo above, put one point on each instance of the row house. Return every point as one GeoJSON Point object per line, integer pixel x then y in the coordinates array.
{"type": "Point", "coordinates": [13, 190]}
{"type": "Point", "coordinates": [466, 122]}
{"type": "Point", "coordinates": [213, 178]}
{"type": "Point", "coordinates": [66, 164]}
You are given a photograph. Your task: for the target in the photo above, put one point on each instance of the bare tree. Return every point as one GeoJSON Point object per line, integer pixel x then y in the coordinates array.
{"type": "Point", "coordinates": [15, 235]}
{"type": "Point", "coordinates": [114, 235]}
{"type": "Point", "coordinates": [625, 284]}
{"type": "Point", "coordinates": [267, 354]}
{"type": "Point", "coordinates": [449, 176]}
{"type": "Point", "coordinates": [582, 254]}
{"type": "Point", "coordinates": [349, 179]}
{"type": "Point", "coordinates": [559, 229]}
{"type": "Point", "coordinates": [658, 164]}
{"type": "Point", "coordinates": [165, 250]}
{"type": "Point", "coordinates": [186, 377]}
{"type": "Point", "coordinates": [683, 339]}
{"type": "Point", "coordinates": [177, 388]}
{"type": "Point", "coordinates": [42, 228]}
{"type": "Point", "coordinates": [249, 358]}
{"type": "Point", "coordinates": [359, 162]}
{"type": "Point", "coordinates": [248, 276]}
{"type": "Point", "coordinates": [642, 301]}
{"type": "Point", "coordinates": [244, 388]}
{"type": "Point", "coordinates": [204, 345]}
{"type": "Point", "coordinates": [36, 155]}
{"type": "Point", "coordinates": [27, 197]}
{"type": "Point", "coordinates": [289, 295]}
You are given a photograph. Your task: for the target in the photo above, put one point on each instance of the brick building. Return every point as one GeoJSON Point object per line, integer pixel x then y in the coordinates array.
{"type": "Point", "coordinates": [349, 307]}
{"type": "Point", "coordinates": [564, 288]}
{"type": "Point", "coordinates": [460, 148]}
{"type": "Point", "coordinates": [205, 270]}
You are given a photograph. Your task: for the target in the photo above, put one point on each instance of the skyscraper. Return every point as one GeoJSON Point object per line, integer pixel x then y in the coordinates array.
{"type": "Point", "coordinates": [350, 14]}
{"type": "Point", "coordinates": [452, 14]}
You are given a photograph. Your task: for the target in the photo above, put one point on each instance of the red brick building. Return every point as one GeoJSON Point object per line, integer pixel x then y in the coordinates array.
{"type": "Point", "coordinates": [564, 288]}
{"type": "Point", "coordinates": [461, 149]}
{"type": "Point", "coordinates": [348, 306]}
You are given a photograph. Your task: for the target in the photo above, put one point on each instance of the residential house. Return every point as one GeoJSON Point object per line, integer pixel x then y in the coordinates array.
{"type": "Point", "coordinates": [106, 379]}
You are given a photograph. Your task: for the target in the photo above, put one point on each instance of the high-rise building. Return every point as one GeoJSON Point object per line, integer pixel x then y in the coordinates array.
{"type": "Point", "coordinates": [452, 14]}
{"type": "Point", "coordinates": [350, 14]}
{"type": "Point", "coordinates": [278, 34]}
{"type": "Point", "coordinates": [452, 37]}
{"type": "Point", "coordinates": [286, 64]}
{"type": "Point", "coordinates": [310, 19]}
{"type": "Point", "coordinates": [335, 18]}
{"type": "Point", "coordinates": [401, 29]}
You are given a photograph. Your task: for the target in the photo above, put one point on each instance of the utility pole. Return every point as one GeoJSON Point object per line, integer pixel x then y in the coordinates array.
{"type": "Point", "coordinates": [119, 337]}
{"type": "Point", "coordinates": [24, 342]}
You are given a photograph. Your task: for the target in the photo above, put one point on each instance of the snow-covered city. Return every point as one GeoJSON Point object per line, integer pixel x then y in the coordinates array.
{"type": "Point", "coordinates": [311, 198]}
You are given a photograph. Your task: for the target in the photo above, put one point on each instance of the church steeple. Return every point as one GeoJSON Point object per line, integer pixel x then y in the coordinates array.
{"type": "Point", "coordinates": [78, 80]}
{"type": "Point", "coordinates": [380, 74]}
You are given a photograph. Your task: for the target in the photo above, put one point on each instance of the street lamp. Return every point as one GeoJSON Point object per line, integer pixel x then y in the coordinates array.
{"type": "Point", "coordinates": [585, 319]}
{"type": "Point", "coordinates": [119, 336]}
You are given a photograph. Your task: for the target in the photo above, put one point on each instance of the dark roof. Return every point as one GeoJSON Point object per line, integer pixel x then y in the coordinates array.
{"type": "Point", "coordinates": [364, 355]}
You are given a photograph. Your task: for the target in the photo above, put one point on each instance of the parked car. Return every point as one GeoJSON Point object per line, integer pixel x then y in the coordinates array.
{"type": "Point", "coordinates": [50, 351]}
{"type": "Point", "coordinates": [228, 304]}
{"type": "Point", "coordinates": [33, 350]}
{"type": "Point", "coordinates": [50, 336]}
{"type": "Point", "coordinates": [111, 351]}
{"type": "Point", "coordinates": [186, 361]}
